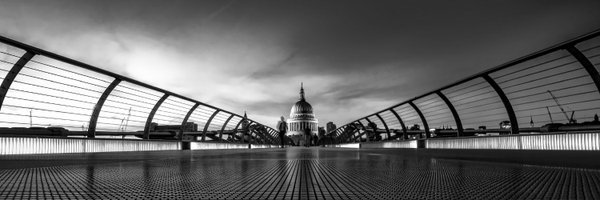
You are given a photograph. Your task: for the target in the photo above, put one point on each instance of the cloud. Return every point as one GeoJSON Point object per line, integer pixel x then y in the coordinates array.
{"type": "Point", "coordinates": [354, 58]}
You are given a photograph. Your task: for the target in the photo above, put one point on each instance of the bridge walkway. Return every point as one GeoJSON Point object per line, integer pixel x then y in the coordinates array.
{"type": "Point", "coordinates": [292, 173]}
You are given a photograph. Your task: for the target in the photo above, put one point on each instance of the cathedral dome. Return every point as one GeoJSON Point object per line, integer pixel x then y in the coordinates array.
{"type": "Point", "coordinates": [301, 120]}
{"type": "Point", "coordinates": [301, 109]}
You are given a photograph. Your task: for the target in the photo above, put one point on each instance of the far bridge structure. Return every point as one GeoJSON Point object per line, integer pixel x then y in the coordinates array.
{"type": "Point", "coordinates": [517, 105]}
{"type": "Point", "coordinates": [45, 94]}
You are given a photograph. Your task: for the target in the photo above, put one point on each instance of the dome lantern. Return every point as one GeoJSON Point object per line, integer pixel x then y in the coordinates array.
{"type": "Point", "coordinates": [302, 92]}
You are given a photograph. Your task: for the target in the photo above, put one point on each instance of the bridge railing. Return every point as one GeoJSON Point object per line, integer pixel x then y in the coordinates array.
{"type": "Point", "coordinates": [555, 89]}
{"type": "Point", "coordinates": [49, 94]}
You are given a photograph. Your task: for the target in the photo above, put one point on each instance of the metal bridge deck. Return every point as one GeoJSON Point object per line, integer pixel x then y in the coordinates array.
{"type": "Point", "coordinates": [293, 173]}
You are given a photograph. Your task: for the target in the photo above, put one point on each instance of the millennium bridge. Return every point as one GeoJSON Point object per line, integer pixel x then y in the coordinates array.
{"type": "Point", "coordinates": [527, 129]}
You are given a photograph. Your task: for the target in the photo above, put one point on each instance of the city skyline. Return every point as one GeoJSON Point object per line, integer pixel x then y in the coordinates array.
{"type": "Point", "coordinates": [252, 56]}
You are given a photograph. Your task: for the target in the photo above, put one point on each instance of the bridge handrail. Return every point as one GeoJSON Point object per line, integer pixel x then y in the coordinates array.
{"type": "Point", "coordinates": [57, 81]}
{"type": "Point", "coordinates": [511, 90]}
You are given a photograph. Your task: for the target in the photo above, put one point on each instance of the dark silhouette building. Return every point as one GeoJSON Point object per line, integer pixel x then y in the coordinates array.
{"type": "Point", "coordinates": [330, 127]}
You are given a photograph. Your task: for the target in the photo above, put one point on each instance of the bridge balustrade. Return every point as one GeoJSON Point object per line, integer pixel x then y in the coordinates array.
{"type": "Point", "coordinates": [41, 89]}
{"type": "Point", "coordinates": [555, 90]}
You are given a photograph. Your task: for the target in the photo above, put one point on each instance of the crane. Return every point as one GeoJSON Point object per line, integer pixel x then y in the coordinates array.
{"type": "Point", "coordinates": [127, 120]}
{"type": "Point", "coordinates": [549, 114]}
{"type": "Point", "coordinates": [561, 109]}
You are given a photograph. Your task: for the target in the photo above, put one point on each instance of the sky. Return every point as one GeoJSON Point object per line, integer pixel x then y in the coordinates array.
{"type": "Point", "coordinates": [354, 57]}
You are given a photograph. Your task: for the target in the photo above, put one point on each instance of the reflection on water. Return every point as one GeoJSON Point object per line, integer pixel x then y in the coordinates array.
{"type": "Point", "coordinates": [305, 173]}
{"type": "Point", "coordinates": [90, 181]}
